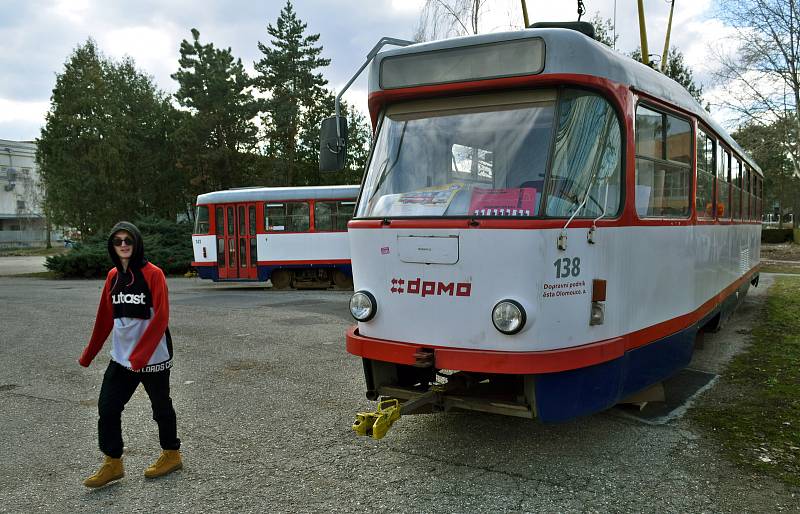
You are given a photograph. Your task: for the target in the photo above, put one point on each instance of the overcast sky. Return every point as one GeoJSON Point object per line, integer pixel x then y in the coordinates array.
{"type": "Point", "coordinates": [39, 35]}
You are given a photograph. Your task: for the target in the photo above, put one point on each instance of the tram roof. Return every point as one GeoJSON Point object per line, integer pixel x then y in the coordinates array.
{"type": "Point", "coordinates": [255, 194]}
{"type": "Point", "coordinates": [571, 52]}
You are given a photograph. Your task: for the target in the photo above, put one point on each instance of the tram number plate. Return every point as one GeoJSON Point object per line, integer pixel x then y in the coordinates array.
{"type": "Point", "coordinates": [567, 267]}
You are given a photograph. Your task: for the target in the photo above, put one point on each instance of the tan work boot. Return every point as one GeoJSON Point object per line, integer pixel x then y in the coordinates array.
{"type": "Point", "coordinates": [110, 470]}
{"type": "Point", "coordinates": [168, 461]}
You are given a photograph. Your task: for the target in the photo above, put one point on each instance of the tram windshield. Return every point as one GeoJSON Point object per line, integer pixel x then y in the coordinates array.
{"type": "Point", "coordinates": [517, 154]}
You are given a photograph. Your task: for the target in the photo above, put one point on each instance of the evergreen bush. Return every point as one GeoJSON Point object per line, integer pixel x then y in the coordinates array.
{"type": "Point", "coordinates": [776, 235]}
{"type": "Point", "coordinates": [166, 244]}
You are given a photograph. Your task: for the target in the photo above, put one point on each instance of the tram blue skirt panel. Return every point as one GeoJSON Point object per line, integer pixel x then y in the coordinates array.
{"type": "Point", "coordinates": [208, 272]}
{"type": "Point", "coordinates": [265, 272]}
{"type": "Point", "coordinates": [579, 392]}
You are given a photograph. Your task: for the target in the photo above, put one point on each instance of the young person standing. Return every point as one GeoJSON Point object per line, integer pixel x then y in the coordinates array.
{"type": "Point", "coordinates": [134, 309]}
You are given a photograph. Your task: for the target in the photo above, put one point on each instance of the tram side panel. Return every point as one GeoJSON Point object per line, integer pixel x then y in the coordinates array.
{"type": "Point", "coordinates": [302, 250]}
{"type": "Point", "coordinates": [204, 248]}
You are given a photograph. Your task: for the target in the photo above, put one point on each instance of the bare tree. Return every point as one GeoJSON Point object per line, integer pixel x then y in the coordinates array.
{"type": "Point", "coordinates": [442, 19]}
{"type": "Point", "coordinates": [761, 80]}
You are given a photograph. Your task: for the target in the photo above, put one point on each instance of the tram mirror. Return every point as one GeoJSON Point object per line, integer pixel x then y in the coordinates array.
{"type": "Point", "coordinates": [333, 144]}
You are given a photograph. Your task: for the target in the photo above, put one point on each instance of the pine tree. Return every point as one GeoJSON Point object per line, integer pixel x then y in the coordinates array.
{"type": "Point", "coordinates": [103, 153]}
{"type": "Point", "coordinates": [677, 71]}
{"type": "Point", "coordinates": [295, 92]}
{"type": "Point", "coordinates": [604, 30]}
{"type": "Point", "coordinates": [216, 134]}
{"type": "Point", "coordinates": [765, 143]}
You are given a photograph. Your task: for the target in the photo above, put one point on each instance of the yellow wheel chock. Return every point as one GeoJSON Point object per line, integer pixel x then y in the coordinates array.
{"type": "Point", "coordinates": [376, 424]}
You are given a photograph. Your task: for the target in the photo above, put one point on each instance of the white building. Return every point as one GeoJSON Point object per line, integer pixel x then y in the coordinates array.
{"type": "Point", "coordinates": [22, 222]}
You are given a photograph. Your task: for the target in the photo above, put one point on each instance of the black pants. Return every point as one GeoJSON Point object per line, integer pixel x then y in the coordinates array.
{"type": "Point", "coordinates": [119, 384]}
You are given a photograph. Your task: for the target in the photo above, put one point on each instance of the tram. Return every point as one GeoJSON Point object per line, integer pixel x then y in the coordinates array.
{"type": "Point", "coordinates": [292, 236]}
{"type": "Point", "coordinates": [544, 225]}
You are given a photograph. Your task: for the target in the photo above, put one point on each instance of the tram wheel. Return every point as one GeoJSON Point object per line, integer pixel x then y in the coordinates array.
{"type": "Point", "coordinates": [342, 280]}
{"type": "Point", "coordinates": [281, 279]}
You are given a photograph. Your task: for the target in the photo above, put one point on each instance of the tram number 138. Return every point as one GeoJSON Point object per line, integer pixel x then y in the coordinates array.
{"type": "Point", "coordinates": [567, 267]}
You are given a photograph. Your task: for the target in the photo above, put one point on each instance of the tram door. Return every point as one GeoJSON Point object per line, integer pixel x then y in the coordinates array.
{"type": "Point", "coordinates": [236, 241]}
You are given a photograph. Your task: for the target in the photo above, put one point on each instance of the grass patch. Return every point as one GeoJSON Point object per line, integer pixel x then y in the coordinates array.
{"type": "Point", "coordinates": [780, 268]}
{"type": "Point", "coordinates": [38, 274]}
{"type": "Point", "coordinates": [755, 414]}
{"type": "Point", "coordinates": [32, 252]}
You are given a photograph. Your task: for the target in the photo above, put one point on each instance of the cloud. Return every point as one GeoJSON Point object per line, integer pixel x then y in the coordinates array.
{"type": "Point", "coordinates": [21, 120]}
{"type": "Point", "coordinates": [40, 35]}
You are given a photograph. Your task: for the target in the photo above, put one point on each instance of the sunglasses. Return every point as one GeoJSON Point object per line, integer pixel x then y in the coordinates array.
{"type": "Point", "coordinates": [119, 240]}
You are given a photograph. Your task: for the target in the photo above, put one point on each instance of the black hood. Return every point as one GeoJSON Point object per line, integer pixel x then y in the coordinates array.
{"type": "Point", "coordinates": [137, 257]}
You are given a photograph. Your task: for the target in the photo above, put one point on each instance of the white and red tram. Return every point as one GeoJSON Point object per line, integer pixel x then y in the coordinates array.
{"type": "Point", "coordinates": [293, 236]}
{"type": "Point", "coordinates": [544, 224]}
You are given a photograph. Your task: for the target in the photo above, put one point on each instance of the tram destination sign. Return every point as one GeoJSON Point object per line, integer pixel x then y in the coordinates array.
{"type": "Point", "coordinates": [476, 62]}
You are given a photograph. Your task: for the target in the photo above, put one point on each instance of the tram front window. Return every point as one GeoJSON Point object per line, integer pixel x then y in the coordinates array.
{"type": "Point", "coordinates": [488, 156]}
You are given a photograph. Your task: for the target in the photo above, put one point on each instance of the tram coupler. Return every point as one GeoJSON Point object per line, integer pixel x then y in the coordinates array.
{"type": "Point", "coordinates": [377, 424]}
{"type": "Point", "coordinates": [423, 358]}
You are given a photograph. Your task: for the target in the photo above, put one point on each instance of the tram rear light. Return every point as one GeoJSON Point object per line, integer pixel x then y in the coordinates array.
{"type": "Point", "coordinates": [363, 306]}
{"type": "Point", "coordinates": [508, 316]}
{"type": "Point", "coordinates": [598, 290]}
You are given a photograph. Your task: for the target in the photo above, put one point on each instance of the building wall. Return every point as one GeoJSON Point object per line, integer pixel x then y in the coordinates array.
{"type": "Point", "coordinates": [22, 222]}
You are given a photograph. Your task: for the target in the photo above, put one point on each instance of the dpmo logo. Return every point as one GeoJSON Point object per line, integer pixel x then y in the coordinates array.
{"type": "Point", "coordinates": [425, 288]}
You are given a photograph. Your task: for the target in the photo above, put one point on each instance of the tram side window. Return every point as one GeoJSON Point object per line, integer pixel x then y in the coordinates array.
{"type": "Point", "coordinates": [286, 217]}
{"type": "Point", "coordinates": [750, 196]}
{"type": "Point", "coordinates": [754, 197]}
{"type": "Point", "coordinates": [201, 223]}
{"type": "Point", "coordinates": [219, 221]}
{"type": "Point", "coordinates": [724, 184]}
{"type": "Point", "coordinates": [746, 193]}
{"type": "Point", "coordinates": [706, 170]}
{"type": "Point", "coordinates": [759, 197]}
{"type": "Point", "coordinates": [585, 171]}
{"type": "Point", "coordinates": [332, 216]}
{"type": "Point", "coordinates": [736, 191]}
{"type": "Point", "coordinates": [663, 164]}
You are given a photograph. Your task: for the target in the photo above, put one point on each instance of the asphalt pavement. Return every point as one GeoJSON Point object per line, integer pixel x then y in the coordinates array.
{"type": "Point", "coordinates": [265, 395]}
{"type": "Point", "coordinates": [20, 265]}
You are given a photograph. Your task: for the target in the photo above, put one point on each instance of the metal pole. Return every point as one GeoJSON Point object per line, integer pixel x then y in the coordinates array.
{"type": "Point", "coordinates": [643, 34]}
{"type": "Point", "coordinates": [666, 41]}
{"type": "Point", "coordinates": [525, 14]}
{"type": "Point", "coordinates": [614, 43]}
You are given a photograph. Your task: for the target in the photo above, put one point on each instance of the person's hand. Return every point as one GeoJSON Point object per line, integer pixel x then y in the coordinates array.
{"type": "Point", "coordinates": [84, 362]}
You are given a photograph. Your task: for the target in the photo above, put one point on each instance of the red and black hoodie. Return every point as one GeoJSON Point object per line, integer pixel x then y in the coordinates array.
{"type": "Point", "coordinates": [134, 304]}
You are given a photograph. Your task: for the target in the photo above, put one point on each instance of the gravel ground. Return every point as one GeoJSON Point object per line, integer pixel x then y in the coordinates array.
{"type": "Point", "coordinates": [265, 395]}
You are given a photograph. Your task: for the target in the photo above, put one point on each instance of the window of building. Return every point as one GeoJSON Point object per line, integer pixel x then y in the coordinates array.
{"type": "Point", "coordinates": [663, 169]}
{"type": "Point", "coordinates": [20, 205]}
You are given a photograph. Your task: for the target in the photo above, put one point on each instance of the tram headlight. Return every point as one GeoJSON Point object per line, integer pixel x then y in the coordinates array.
{"type": "Point", "coordinates": [508, 316]}
{"type": "Point", "coordinates": [363, 306]}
